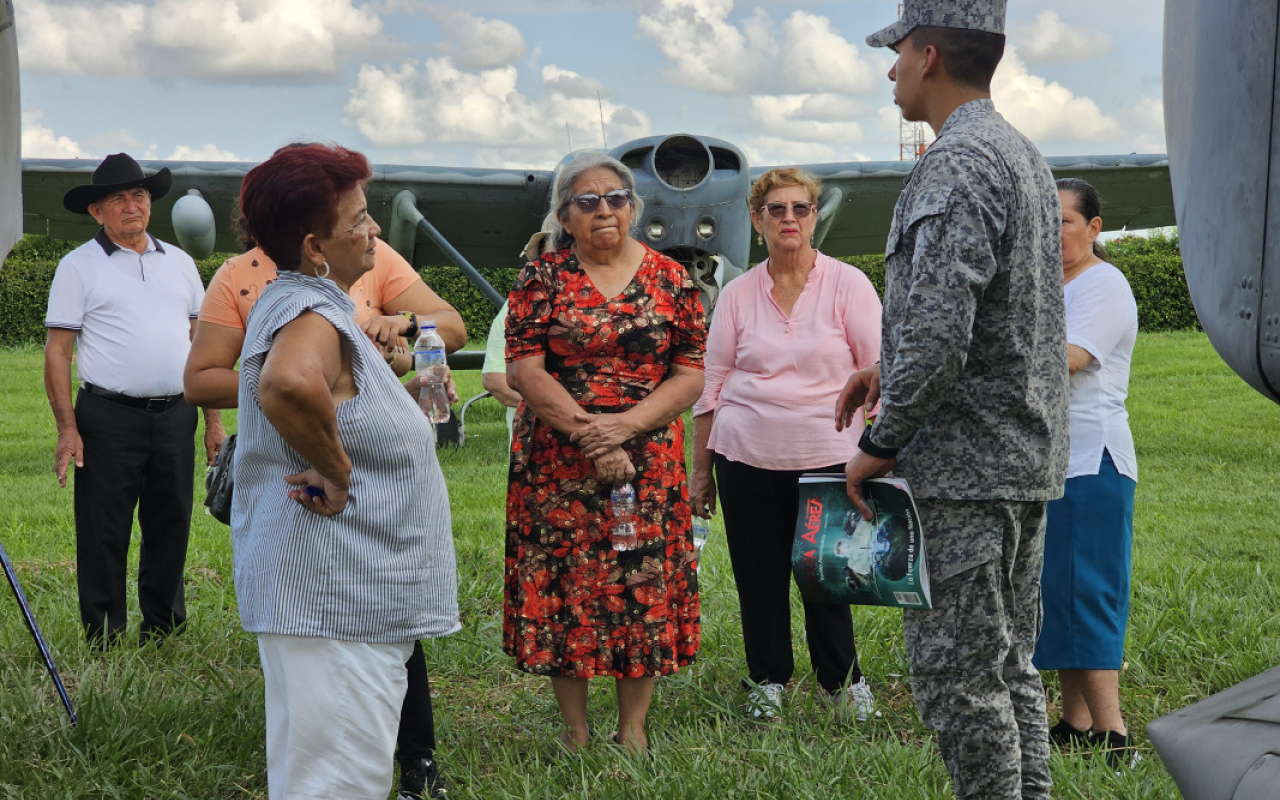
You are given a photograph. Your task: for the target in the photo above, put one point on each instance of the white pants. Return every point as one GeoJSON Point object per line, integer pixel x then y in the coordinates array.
{"type": "Point", "coordinates": [333, 709]}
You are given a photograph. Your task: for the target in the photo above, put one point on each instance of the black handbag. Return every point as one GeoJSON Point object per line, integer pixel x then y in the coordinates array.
{"type": "Point", "coordinates": [451, 432]}
{"type": "Point", "coordinates": [218, 483]}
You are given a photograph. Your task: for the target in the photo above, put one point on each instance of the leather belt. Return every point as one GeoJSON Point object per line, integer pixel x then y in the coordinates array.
{"type": "Point", "coordinates": [152, 404]}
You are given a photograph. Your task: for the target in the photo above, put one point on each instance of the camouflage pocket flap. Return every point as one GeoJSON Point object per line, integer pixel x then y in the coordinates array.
{"type": "Point", "coordinates": [924, 202]}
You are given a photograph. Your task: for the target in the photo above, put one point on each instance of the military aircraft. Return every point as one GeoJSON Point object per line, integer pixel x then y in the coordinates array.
{"type": "Point", "coordinates": [1220, 101]}
{"type": "Point", "coordinates": [694, 189]}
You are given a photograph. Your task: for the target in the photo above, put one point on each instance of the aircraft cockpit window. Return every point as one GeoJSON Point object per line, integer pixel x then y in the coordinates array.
{"type": "Point", "coordinates": [634, 159]}
{"type": "Point", "coordinates": [726, 159]}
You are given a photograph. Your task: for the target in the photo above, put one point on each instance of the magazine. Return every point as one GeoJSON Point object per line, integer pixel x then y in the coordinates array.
{"type": "Point", "coordinates": [839, 557]}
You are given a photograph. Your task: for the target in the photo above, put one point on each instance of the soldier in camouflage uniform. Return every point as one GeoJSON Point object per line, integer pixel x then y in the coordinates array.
{"type": "Point", "coordinates": [973, 385]}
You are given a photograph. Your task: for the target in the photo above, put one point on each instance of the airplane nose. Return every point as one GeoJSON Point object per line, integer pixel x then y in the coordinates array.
{"type": "Point", "coordinates": [682, 162]}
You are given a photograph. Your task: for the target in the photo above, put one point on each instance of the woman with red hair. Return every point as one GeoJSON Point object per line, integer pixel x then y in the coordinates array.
{"type": "Point", "coordinates": [340, 520]}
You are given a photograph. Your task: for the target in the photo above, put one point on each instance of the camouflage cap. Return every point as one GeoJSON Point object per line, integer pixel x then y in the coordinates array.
{"type": "Point", "coordinates": [970, 15]}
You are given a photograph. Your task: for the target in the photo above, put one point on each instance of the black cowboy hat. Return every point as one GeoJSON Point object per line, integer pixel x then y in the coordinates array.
{"type": "Point", "coordinates": [116, 172]}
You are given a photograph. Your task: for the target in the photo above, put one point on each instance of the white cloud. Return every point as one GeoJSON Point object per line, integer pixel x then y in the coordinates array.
{"type": "Point", "coordinates": [111, 142]}
{"type": "Point", "coordinates": [438, 103]}
{"type": "Point", "coordinates": [1047, 112]}
{"type": "Point", "coordinates": [807, 118]}
{"type": "Point", "coordinates": [39, 141]}
{"type": "Point", "coordinates": [570, 84]}
{"type": "Point", "coordinates": [207, 153]}
{"type": "Point", "coordinates": [775, 150]}
{"type": "Point", "coordinates": [1146, 119]}
{"type": "Point", "coordinates": [479, 43]}
{"type": "Point", "coordinates": [292, 41]}
{"type": "Point", "coordinates": [808, 128]}
{"type": "Point", "coordinates": [804, 54]}
{"type": "Point", "coordinates": [1049, 40]}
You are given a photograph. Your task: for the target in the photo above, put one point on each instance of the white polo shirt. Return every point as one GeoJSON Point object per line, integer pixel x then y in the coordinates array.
{"type": "Point", "coordinates": [132, 313]}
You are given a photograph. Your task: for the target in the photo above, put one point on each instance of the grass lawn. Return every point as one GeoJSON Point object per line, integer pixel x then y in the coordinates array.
{"type": "Point", "coordinates": [186, 721]}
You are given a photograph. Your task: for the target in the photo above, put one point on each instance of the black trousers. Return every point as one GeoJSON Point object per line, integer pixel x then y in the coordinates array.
{"type": "Point", "coordinates": [132, 458]}
{"type": "Point", "coordinates": [417, 735]}
{"type": "Point", "coordinates": [759, 508]}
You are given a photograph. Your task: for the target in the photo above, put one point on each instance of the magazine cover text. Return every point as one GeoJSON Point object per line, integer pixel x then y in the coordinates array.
{"type": "Point", "coordinates": [839, 557]}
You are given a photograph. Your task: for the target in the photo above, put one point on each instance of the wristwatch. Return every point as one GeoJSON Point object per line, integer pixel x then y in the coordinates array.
{"type": "Point", "coordinates": [413, 324]}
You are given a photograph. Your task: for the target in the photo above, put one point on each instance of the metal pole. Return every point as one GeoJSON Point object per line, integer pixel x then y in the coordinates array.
{"type": "Point", "coordinates": [35, 634]}
{"type": "Point", "coordinates": [407, 206]}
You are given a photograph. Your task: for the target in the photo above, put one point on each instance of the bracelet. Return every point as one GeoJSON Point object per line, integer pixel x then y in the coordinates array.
{"type": "Point", "coordinates": [413, 324]}
{"type": "Point", "coordinates": [395, 353]}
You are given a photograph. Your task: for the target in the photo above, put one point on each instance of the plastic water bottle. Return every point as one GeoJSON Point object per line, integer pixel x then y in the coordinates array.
{"type": "Point", "coordinates": [429, 361]}
{"type": "Point", "coordinates": [622, 506]}
{"type": "Point", "coordinates": [701, 530]}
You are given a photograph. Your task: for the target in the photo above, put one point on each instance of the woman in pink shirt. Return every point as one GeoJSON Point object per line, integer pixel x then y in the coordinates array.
{"type": "Point", "coordinates": [783, 340]}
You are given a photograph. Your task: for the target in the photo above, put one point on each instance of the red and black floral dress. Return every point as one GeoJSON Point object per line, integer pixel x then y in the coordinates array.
{"type": "Point", "coordinates": [572, 606]}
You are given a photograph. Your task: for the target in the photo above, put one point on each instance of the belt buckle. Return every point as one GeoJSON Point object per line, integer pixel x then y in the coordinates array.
{"type": "Point", "coordinates": [157, 404]}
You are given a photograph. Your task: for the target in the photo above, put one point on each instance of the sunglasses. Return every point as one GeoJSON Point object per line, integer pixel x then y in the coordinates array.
{"type": "Point", "coordinates": [588, 203]}
{"type": "Point", "coordinates": [779, 210]}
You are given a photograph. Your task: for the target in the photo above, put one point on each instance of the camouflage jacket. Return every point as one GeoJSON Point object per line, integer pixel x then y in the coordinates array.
{"type": "Point", "coordinates": [974, 355]}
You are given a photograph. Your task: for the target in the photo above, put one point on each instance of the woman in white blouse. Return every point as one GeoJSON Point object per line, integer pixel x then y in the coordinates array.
{"type": "Point", "coordinates": [1090, 529]}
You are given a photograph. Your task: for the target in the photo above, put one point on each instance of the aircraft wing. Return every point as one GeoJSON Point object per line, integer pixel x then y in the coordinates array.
{"type": "Point", "coordinates": [486, 213]}
{"type": "Point", "coordinates": [1135, 193]}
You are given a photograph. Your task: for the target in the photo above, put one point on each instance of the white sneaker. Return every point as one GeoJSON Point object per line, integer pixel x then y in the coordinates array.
{"type": "Point", "coordinates": [857, 698]}
{"type": "Point", "coordinates": [765, 701]}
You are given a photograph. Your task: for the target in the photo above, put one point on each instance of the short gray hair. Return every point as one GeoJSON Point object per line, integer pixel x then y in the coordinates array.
{"type": "Point", "coordinates": [562, 193]}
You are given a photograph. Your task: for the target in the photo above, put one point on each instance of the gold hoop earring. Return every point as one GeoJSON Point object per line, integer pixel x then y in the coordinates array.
{"type": "Point", "coordinates": [326, 270]}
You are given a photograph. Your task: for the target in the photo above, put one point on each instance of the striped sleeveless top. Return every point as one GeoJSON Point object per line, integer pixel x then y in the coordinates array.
{"type": "Point", "coordinates": [383, 569]}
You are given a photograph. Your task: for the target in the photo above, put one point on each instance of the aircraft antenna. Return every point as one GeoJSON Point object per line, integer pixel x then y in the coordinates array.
{"type": "Point", "coordinates": [600, 105]}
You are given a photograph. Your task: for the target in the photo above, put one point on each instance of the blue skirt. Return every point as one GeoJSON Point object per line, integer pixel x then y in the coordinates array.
{"type": "Point", "coordinates": [1088, 546]}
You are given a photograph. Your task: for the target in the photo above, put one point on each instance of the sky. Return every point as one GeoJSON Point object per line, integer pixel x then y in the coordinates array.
{"type": "Point", "coordinates": [516, 84]}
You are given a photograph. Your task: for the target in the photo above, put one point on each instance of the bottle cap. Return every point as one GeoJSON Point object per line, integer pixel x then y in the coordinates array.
{"type": "Point", "coordinates": [427, 324]}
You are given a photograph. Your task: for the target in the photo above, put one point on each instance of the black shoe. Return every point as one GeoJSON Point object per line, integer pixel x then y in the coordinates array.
{"type": "Point", "coordinates": [1066, 736]}
{"type": "Point", "coordinates": [1120, 750]}
{"type": "Point", "coordinates": [419, 779]}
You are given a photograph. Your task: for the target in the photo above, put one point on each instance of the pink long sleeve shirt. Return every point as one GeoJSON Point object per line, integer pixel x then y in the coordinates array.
{"type": "Point", "coordinates": [773, 380]}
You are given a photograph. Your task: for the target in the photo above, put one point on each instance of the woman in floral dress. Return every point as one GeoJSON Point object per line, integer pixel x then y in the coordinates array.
{"type": "Point", "coordinates": [605, 341]}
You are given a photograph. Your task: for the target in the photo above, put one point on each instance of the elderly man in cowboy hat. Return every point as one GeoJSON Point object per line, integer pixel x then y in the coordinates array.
{"type": "Point", "coordinates": [973, 388]}
{"type": "Point", "coordinates": [128, 302]}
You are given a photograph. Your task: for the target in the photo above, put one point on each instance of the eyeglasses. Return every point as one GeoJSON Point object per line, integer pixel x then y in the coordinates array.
{"type": "Point", "coordinates": [779, 210]}
{"type": "Point", "coordinates": [588, 203]}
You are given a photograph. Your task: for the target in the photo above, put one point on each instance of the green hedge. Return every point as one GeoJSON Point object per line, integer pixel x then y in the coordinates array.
{"type": "Point", "coordinates": [475, 308]}
{"type": "Point", "coordinates": [1153, 266]}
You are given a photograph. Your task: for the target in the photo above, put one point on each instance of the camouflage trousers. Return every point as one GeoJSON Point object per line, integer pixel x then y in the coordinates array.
{"type": "Point", "coordinates": [970, 655]}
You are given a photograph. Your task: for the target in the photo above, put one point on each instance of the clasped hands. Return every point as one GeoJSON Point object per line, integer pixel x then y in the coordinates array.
{"type": "Point", "coordinates": [386, 331]}
{"type": "Point", "coordinates": [862, 390]}
{"type": "Point", "coordinates": [600, 438]}
{"type": "Point", "coordinates": [386, 334]}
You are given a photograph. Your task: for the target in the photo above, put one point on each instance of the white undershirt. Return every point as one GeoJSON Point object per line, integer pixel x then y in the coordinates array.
{"type": "Point", "coordinates": [1102, 318]}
